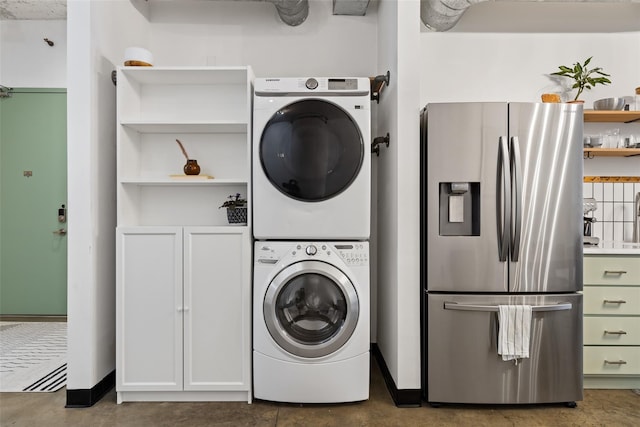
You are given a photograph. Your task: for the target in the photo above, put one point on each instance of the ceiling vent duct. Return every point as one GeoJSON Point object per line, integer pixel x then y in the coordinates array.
{"type": "Point", "coordinates": [350, 7]}
{"type": "Point", "coordinates": [292, 12]}
{"type": "Point", "coordinates": [442, 15]}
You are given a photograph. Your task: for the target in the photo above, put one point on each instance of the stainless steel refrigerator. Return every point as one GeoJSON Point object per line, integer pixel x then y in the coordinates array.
{"type": "Point", "coordinates": [501, 224]}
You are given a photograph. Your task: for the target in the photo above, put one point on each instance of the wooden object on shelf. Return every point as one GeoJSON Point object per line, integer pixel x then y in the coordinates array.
{"type": "Point", "coordinates": [191, 177]}
{"type": "Point", "coordinates": [602, 116]}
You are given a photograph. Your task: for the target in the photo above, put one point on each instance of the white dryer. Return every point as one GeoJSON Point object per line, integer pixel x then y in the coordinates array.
{"type": "Point", "coordinates": [312, 158]}
{"type": "Point", "coordinates": [311, 321]}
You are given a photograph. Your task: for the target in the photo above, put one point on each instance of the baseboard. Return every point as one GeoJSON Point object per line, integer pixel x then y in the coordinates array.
{"type": "Point", "coordinates": [405, 398]}
{"type": "Point", "coordinates": [85, 398]}
{"type": "Point", "coordinates": [33, 318]}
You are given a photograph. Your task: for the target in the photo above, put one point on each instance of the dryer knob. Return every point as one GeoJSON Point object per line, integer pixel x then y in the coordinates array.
{"type": "Point", "coordinates": [311, 83]}
{"type": "Point", "coordinates": [311, 250]}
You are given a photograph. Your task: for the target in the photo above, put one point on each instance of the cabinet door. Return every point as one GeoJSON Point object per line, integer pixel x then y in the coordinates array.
{"type": "Point", "coordinates": [149, 308]}
{"type": "Point", "coordinates": [217, 284]}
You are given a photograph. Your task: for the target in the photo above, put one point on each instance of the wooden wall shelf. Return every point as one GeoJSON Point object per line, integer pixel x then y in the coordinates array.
{"type": "Point", "coordinates": [610, 152]}
{"type": "Point", "coordinates": [593, 116]}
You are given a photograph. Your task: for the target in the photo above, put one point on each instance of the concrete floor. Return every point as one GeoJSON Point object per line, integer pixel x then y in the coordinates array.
{"type": "Point", "coordinates": [599, 408]}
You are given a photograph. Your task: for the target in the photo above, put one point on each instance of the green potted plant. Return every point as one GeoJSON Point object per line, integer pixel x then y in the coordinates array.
{"type": "Point", "coordinates": [583, 77]}
{"type": "Point", "coordinates": [236, 209]}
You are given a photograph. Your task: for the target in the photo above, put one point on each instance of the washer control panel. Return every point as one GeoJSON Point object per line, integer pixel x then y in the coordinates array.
{"type": "Point", "coordinates": [352, 253]}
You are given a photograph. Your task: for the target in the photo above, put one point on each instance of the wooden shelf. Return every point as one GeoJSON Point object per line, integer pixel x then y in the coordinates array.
{"type": "Point", "coordinates": [183, 182]}
{"type": "Point", "coordinates": [602, 116]}
{"type": "Point", "coordinates": [611, 152]}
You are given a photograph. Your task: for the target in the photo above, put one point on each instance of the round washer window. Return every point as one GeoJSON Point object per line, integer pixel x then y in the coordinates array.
{"type": "Point", "coordinates": [311, 309]}
{"type": "Point", "coordinates": [311, 150]}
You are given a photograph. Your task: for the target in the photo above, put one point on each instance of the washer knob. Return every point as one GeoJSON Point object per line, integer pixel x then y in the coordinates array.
{"type": "Point", "coordinates": [311, 250]}
{"type": "Point", "coordinates": [311, 84]}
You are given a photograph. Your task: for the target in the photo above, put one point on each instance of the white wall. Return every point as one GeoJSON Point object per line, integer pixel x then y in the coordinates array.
{"type": "Point", "coordinates": [26, 60]}
{"type": "Point", "coordinates": [515, 67]}
{"type": "Point", "coordinates": [398, 195]}
{"type": "Point", "coordinates": [95, 47]}
{"type": "Point", "coordinates": [251, 33]}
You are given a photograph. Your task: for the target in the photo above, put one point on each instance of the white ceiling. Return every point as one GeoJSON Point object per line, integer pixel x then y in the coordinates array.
{"type": "Point", "coordinates": [33, 9]}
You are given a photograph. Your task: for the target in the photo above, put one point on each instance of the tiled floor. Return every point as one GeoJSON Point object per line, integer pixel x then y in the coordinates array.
{"type": "Point", "coordinates": [599, 408]}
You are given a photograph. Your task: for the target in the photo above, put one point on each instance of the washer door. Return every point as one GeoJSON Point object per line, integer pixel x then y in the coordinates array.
{"type": "Point", "coordinates": [311, 150]}
{"type": "Point", "coordinates": [311, 309]}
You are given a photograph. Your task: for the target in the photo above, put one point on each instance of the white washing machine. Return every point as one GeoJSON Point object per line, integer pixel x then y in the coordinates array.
{"type": "Point", "coordinates": [312, 158]}
{"type": "Point", "coordinates": [311, 322]}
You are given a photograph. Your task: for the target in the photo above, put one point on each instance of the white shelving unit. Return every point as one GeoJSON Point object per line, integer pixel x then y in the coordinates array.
{"type": "Point", "coordinates": [209, 110]}
{"type": "Point", "coordinates": [183, 273]}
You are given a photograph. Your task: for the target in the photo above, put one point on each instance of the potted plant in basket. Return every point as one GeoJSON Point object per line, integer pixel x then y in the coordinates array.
{"type": "Point", "coordinates": [583, 77]}
{"type": "Point", "coordinates": [236, 209]}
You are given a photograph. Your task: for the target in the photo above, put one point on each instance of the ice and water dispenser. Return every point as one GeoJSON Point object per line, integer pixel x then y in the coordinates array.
{"type": "Point", "coordinates": [459, 208]}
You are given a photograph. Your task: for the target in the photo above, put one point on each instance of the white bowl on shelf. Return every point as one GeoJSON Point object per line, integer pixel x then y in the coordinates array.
{"type": "Point", "coordinates": [137, 56]}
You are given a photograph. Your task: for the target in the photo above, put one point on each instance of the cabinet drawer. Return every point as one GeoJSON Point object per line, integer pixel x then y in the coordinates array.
{"type": "Point", "coordinates": [612, 270]}
{"type": "Point", "coordinates": [611, 360]}
{"type": "Point", "coordinates": [611, 330]}
{"type": "Point", "coordinates": [612, 300]}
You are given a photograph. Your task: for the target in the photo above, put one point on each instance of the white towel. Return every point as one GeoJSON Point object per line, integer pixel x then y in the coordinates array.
{"type": "Point", "coordinates": [514, 332]}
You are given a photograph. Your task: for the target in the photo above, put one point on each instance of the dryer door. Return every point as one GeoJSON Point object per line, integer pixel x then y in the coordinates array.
{"type": "Point", "coordinates": [311, 150]}
{"type": "Point", "coordinates": [311, 309]}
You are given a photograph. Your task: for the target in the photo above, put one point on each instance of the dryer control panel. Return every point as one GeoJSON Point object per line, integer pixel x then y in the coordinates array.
{"type": "Point", "coordinates": [325, 86]}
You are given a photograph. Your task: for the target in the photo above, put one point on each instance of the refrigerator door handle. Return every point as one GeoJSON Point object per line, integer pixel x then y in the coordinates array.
{"type": "Point", "coordinates": [503, 200]}
{"type": "Point", "coordinates": [516, 198]}
{"type": "Point", "coordinates": [494, 308]}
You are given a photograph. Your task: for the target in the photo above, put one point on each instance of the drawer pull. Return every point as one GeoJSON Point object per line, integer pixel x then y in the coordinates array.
{"type": "Point", "coordinates": [615, 332]}
{"type": "Point", "coordinates": [615, 362]}
{"type": "Point", "coordinates": [618, 272]}
{"type": "Point", "coordinates": [614, 301]}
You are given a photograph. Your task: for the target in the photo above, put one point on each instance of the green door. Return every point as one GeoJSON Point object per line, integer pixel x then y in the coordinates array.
{"type": "Point", "coordinates": [33, 187]}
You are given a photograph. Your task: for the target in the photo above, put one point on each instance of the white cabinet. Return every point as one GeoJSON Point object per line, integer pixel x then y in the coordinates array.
{"type": "Point", "coordinates": [183, 313]}
{"type": "Point", "coordinates": [183, 273]}
{"type": "Point", "coordinates": [611, 321]}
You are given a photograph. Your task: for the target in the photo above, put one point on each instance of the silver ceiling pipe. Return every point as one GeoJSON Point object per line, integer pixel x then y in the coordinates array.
{"type": "Point", "coordinates": [291, 12]}
{"type": "Point", "coordinates": [442, 15]}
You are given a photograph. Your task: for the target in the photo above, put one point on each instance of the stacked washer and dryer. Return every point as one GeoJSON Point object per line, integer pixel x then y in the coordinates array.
{"type": "Point", "coordinates": [311, 221]}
